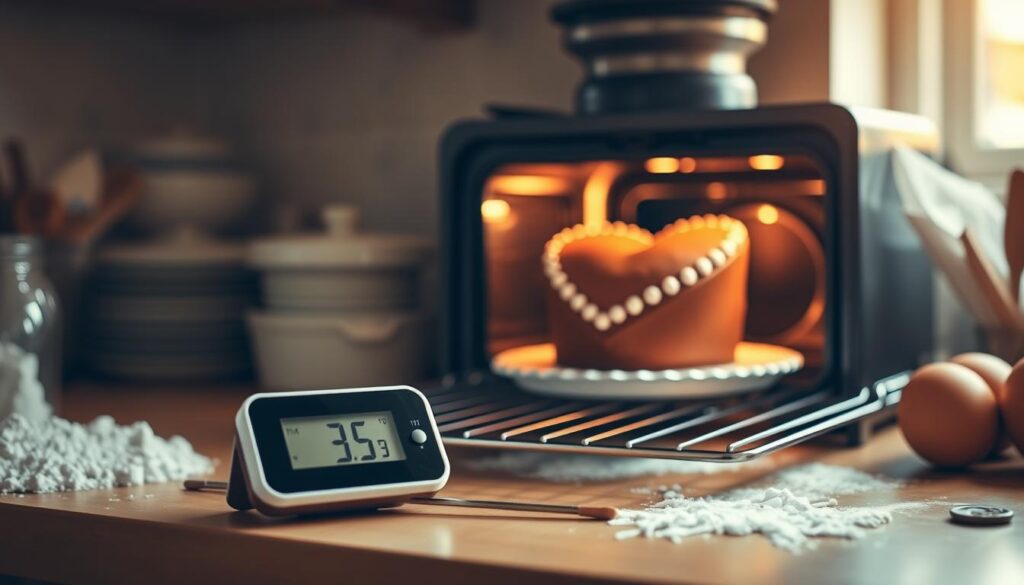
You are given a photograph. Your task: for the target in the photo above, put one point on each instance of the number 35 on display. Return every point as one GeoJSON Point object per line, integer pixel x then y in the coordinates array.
{"type": "Point", "coordinates": [343, 442]}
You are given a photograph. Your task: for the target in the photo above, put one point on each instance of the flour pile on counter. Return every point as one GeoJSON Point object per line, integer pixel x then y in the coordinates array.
{"type": "Point", "coordinates": [20, 389]}
{"type": "Point", "coordinates": [583, 468]}
{"type": "Point", "coordinates": [54, 455]}
{"type": "Point", "coordinates": [818, 480]}
{"type": "Point", "coordinates": [42, 453]}
{"type": "Point", "coordinates": [798, 505]}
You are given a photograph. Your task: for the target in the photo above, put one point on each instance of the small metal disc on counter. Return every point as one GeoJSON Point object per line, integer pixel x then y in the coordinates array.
{"type": "Point", "coordinates": [980, 515]}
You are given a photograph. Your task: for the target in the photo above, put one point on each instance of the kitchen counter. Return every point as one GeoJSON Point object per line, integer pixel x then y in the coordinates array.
{"type": "Point", "coordinates": [162, 534]}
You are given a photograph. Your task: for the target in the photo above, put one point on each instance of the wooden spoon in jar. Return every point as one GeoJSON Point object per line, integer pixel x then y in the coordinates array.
{"type": "Point", "coordinates": [990, 283]}
{"type": "Point", "coordinates": [121, 192]}
{"type": "Point", "coordinates": [1013, 232]}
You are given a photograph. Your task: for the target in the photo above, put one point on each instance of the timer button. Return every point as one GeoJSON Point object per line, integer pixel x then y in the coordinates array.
{"type": "Point", "coordinates": [418, 436]}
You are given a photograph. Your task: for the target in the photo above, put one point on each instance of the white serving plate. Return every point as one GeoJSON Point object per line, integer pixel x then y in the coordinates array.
{"type": "Point", "coordinates": [757, 366]}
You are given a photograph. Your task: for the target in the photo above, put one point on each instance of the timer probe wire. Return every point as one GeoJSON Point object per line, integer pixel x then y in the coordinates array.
{"type": "Point", "coordinates": [595, 512]}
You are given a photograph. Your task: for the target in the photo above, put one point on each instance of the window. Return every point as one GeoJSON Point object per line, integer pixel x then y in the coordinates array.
{"type": "Point", "coordinates": [999, 78]}
{"type": "Point", "coordinates": [983, 66]}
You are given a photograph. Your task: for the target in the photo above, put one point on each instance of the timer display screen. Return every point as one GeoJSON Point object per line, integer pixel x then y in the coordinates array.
{"type": "Point", "coordinates": [352, 439]}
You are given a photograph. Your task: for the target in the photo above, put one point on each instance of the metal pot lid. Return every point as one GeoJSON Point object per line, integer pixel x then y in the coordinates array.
{"type": "Point", "coordinates": [341, 246]}
{"type": "Point", "coordinates": [573, 11]}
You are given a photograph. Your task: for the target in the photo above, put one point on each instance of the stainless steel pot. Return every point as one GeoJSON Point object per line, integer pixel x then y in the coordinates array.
{"type": "Point", "coordinates": [664, 54]}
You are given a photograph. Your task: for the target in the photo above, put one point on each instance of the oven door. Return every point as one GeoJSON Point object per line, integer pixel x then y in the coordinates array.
{"type": "Point", "coordinates": [510, 187]}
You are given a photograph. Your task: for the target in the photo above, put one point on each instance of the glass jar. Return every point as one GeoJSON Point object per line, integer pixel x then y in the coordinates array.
{"type": "Point", "coordinates": [30, 332]}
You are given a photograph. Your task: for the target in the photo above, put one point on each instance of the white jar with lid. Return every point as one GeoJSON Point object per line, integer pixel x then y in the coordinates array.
{"type": "Point", "coordinates": [324, 350]}
{"type": "Point", "coordinates": [341, 307]}
{"type": "Point", "coordinates": [341, 269]}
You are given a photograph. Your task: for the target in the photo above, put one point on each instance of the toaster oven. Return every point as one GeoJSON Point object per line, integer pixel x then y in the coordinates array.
{"type": "Point", "coordinates": [835, 271]}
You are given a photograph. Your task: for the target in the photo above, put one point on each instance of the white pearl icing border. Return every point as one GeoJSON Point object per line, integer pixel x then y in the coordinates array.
{"type": "Point", "coordinates": [671, 285]}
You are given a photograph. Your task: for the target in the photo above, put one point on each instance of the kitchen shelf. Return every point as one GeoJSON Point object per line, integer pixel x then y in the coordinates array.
{"type": "Point", "coordinates": [489, 411]}
{"type": "Point", "coordinates": [434, 15]}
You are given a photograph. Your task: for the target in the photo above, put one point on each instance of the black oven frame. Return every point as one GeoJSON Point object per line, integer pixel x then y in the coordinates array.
{"type": "Point", "coordinates": [867, 354]}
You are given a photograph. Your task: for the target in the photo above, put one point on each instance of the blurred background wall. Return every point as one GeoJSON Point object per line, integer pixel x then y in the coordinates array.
{"type": "Point", "coordinates": [347, 108]}
{"type": "Point", "coordinates": [71, 78]}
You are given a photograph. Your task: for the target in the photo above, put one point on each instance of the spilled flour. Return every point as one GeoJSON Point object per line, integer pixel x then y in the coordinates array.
{"type": "Point", "coordinates": [789, 509]}
{"type": "Point", "coordinates": [42, 453]}
{"type": "Point", "coordinates": [560, 468]}
{"type": "Point", "coordinates": [20, 389]}
{"type": "Point", "coordinates": [56, 455]}
{"type": "Point", "coordinates": [818, 480]}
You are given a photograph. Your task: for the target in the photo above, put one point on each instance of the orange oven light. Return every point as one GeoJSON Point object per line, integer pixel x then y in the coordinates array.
{"type": "Point", "coordinates": [767, 214]}
{"type": "Point", "coordinates": [595, 192]}
{"type": "Point", "coordinates": [526, 185]}
{"type": "Point", "coordinates": [495, 211]}
{"type": "Point", "coordinates": [716, 191]}
{"type": "Point", "coordinates": [766, 162]}
{"type": "Point", "coordinates": [662, 165]}
{"type": "Point", "coordinates": [687, 164]}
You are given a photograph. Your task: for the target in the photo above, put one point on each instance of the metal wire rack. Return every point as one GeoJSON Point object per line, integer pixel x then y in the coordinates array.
{"type": "Point", "coordinates": [488, 411]}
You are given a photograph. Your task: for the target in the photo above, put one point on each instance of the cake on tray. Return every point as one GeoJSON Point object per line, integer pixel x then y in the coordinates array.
{"type": "Point", "coordinates": [623, 298]}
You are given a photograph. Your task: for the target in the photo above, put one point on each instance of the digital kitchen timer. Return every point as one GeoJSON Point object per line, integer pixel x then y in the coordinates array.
{"type": "Point", "coordinates": [327, 450]}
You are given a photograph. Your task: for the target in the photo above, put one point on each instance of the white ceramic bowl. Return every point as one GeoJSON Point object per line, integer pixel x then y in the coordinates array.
{"type": "Point", "coordinates": [318, 350]}
{"type": "Point", "coordinates": [208, 200]}
{"type": "Point", "coordinates": [339, 270]}
{"type": "Point", "coordinates": [340, 289]}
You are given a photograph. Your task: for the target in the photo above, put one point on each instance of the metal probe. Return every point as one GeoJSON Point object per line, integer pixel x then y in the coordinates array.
{"type": "Point", "coordinates": [596, 512]}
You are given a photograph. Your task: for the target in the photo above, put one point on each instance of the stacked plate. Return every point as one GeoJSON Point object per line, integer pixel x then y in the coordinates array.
{"type": "Point", "coordinates": [171, 311]}
{"type": "Point", "coordinates": [190, 183]}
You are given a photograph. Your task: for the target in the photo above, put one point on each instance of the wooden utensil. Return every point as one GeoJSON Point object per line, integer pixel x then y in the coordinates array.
{"type": "Point", "coordinates": [1013, 231]}
{"type": "Point", "coordinates": [1007, 344]}
{"type": "Point", "coordinates": [34, 211]}
{"type": "Point", "coordinates": [79, 183]}
{"type": "Point", "coordinates": [991, 284]}
{"type": "Point", "coordinates": [121, 191]}
{"type": "Point", "coordinates": [15, 155]}
{"type": "Point", "coordinates": [946, 251]}
{"type": "Point", "coordinates": [39, 213]}
{"type": "Point", "coordinates": [6, 204]}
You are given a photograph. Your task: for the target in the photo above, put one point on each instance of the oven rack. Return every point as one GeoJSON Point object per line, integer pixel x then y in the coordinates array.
{"type": "Point", "coordinates": [489, 411]}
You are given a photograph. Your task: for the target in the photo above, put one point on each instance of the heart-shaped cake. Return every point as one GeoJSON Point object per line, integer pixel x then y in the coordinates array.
{"type": "Point", "coordinates": [623, 298]}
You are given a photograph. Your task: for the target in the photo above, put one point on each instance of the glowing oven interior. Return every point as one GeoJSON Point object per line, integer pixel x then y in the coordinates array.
{"type": "Point", "coordinates": [779, 198]}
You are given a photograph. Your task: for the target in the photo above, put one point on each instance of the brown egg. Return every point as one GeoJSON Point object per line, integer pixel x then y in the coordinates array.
{"type": "Point", "coordinates": [994, 371]}
{"type": "Point", "coordinates": [1012, 404]}
{"type": "Point", "coordinates": [949, 415]}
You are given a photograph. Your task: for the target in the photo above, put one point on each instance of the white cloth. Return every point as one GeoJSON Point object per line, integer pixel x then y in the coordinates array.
{"type": "Point", "coordinates": [940, 204]}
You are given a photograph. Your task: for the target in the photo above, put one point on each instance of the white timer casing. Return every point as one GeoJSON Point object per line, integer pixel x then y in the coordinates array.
{"type": "Point", "coordinates": [248, 468]}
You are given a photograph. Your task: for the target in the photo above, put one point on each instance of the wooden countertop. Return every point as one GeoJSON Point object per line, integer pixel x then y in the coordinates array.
{"type": "Point", "coordinates": [161, 534]}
